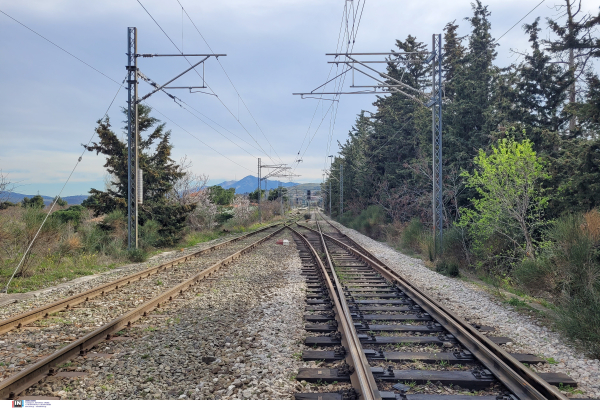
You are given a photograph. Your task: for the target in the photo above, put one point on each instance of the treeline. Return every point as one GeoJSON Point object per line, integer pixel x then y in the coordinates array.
{"type": "Point", "coordinates": [521, 156]}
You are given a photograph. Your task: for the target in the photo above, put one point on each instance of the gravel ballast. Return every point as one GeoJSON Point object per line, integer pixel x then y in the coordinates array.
{"type": "Point", "coordinates": [236, 335]}
{"type": "Point", "coordinates": [21, 347]}
{"type": "Point", "coordinates": [475, 305]}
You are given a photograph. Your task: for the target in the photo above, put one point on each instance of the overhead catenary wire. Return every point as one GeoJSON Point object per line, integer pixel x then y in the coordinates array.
{"type": "Point", "coordinates": [228, 78]}
{"type": "Point", "coordinates": [61, 48]}
{"type": "Point", "coordinates": [208, 86]}
{"type": "Point", "coordinates": [476, 56]}
{"type": "Point", "coordinates": [320, 103]}
{"type": "Point", "coordinates": [338, 83]}
{"type": "Point", "coordinates": [100, 72]}
{"type": "Point", "coordinates": [80, 157]}
{"type": "Point", "coordinates": [177, 100]}
{"type": "Point", "coordinates": [191, 134]}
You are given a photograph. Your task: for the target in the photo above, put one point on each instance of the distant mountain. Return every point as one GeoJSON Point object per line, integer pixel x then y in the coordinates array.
{"type": "Point", "coordinates": [250, 183]}
{"type": "Point", "coordinates": [72, 200]}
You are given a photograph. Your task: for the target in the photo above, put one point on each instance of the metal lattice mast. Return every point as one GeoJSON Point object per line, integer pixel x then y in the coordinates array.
{"type": "Point", "coordinates": [132, 130]}
{"type": "Point", "coordinates": [134, 174]}
{"type": "Point", "coordinates": [341, 189]}
{"type": "Point", "coordinates": [259, 193]}
{"type": "Point", "coordinates": [280, 197]}
{"type": "Point", "coordinates": [438, 198]}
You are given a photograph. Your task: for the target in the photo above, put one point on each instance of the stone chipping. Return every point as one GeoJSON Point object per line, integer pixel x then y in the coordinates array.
{"type": "Point", "coordinates": [238, 335]}
{"type": "Point", "coordinates": [475, 305]}
{"type": "Point", "coordinates": [14, 303]}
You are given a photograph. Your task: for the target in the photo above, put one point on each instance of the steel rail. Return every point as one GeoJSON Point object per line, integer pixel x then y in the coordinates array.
{"type": "Point", "coordinates": [41, 312]}
{"type": "Point", "coordinates": [520, 380]}
{"type": "Point", "coordinates": [360, 377]}
{"type": "Point", "coordinates": [363, 367]}
{"type": "Point", "coordinates": [19, 382]}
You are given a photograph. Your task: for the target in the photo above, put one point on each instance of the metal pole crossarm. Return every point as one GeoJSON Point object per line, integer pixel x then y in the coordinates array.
{"type": "Point", "coordinates": [320, 86]}
{"type": "Point", "coordinates": [343, 93]}
{"type": "Point", "coordinates": [384, 62]}
{"type": "Point", "coordinates": [180, 55]}
{"type": "Point", "coordinates": [378, 53]}
{"type": "Point", "coordinates": [183, 87]}
{"type": "Point", "coordinates": [161, 87]}
{"type": "Point", "coordinates": [392, 90]}
{"type": "Point", "coordinates": [321, 99]}
{"type": "Point", "coordinates": [383, 75]}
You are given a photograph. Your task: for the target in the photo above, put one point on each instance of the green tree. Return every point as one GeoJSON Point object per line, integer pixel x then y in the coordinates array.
{"type": "Point", "coordinates": [36, 201]}
{"type": "Point", "coordinates": [160, 172]}
{"type": "Point", "coordinates": [220, 196]}
{"type": "Point", "coordinates": [253, 196]}
{"type": "Point", "coordinates": [509, 200]}
{"type": "Point", "coordinates": [60, 202]}
{"type": "Point", "coordinates": [467, 119]}
{"type": "Point", "coordinates": [274, 194]}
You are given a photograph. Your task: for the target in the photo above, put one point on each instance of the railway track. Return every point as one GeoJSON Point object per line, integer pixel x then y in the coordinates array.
{"type": "Point", "coordinates": [69, 327]}
{"type": "Point", "coordinates": [376, 336]}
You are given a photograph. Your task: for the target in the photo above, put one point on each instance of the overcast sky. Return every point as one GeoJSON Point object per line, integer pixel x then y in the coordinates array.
{"type": "Point", "coordinates": [50, 102]}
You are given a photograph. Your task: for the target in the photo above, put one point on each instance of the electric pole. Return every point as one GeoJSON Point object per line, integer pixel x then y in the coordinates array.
{"type": "Point", "coordinates": [341, 189]}
{"type": "Point", "coordinates": [132, 139]}
{"type": "Point", "coordinates": [259, 194]}
{"type": "Point", "coordinates": [134, 173]}
{"type": "Point", "coordinates": [361, 62]}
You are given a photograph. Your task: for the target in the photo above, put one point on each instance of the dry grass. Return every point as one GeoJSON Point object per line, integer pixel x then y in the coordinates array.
{"type": "Point", "coordinates": [591, 225]}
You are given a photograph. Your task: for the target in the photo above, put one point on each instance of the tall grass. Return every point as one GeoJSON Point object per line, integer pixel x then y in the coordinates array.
{"type": "Point", "coordinates": [567, 272]}
{"type": "Point", "coordinates": [370, 221]}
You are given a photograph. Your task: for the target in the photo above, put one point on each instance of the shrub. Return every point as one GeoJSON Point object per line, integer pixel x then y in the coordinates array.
{"type": "Point", "coordinates": [307, 216]}
{"type": "Point", "coordinates": [137, 255]}
{"type": "Point", "coordinates": [447, 268]}
{"type": "Point", "coordinates": [452, 270]}
{"type": "Point", "coordinates": [72, 214]}
{"type": "Point", "coordinates": [370, 221]}
{"type": "Point", "coordinates": [224, 216]}
{"type": "Point", "coordinates": [568, 272]}
{"type": "Point", "coordinates": [411, 235]}
{"type": "Point", "coordinates": [149, 235]}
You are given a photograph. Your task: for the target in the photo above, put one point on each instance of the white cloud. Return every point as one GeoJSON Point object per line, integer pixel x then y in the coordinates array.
{"type": "Point", "coordinates": [51, 101]}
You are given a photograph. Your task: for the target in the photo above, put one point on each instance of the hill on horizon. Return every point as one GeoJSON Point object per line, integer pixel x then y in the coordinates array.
{"type": "Point", "coordinates": [250, 183]}
{"type": "Point", "coordinates": [71, 200]}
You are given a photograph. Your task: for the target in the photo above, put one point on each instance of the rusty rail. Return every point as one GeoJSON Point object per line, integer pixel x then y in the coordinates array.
{"type": "Point", "coordinates": [362, 378]}
{"type": "Point", "coordinates": [520, 380]}
{"type": "Point", "coordinates": [19, 382]}
{"type": "Point", "coordinates": [19, 320]}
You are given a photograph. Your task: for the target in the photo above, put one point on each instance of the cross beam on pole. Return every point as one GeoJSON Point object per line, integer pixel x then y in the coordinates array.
{"type": "Point", "coordinates": [393, 85]}
{"type": "Point", "coordinates": [134, 174]}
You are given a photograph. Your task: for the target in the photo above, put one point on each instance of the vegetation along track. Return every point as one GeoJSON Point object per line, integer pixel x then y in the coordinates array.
{"type": "Point", "coordinates": [377, 336]}
{"type": "Point", "coordinates": [74, 325]}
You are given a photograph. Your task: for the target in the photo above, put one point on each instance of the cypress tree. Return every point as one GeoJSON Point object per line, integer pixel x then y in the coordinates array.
{"type": "Point", "coordinates": [160, 172]}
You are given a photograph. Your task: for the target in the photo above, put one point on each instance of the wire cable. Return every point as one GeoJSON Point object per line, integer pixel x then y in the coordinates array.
{"type": "Point", "coordinates": [60, 48]}
{"type": "Point", "coordinates": [209, 87]}
{"type": "Point", "coordinates": [61, 190]}
{"type": "Point", "coordinates": [227, 75]}
{"type": "Point", "coordinates": [189, 133]}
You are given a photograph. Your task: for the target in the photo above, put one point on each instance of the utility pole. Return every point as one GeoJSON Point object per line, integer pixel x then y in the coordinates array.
{"type": "Point", "coordinates": [281, 198]}
{"type": "Point", "coordinates": [259, 194]}
{"type": "Point", "coordinates": [132, 139]}
{"type": "Point", "coordinates": [341, 189]}
{"type": "Point", "coordinates": [361, 62]}
{"type": "Point", "coordinates": [436, 129]}
{"type": "Point", "coordinates": [331, 163]}
{"type": "Point", "coordinates": [134, 173]}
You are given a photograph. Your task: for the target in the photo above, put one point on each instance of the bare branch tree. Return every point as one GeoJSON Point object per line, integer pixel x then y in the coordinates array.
{"type": "Point", "coordinates": [6, 186]}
